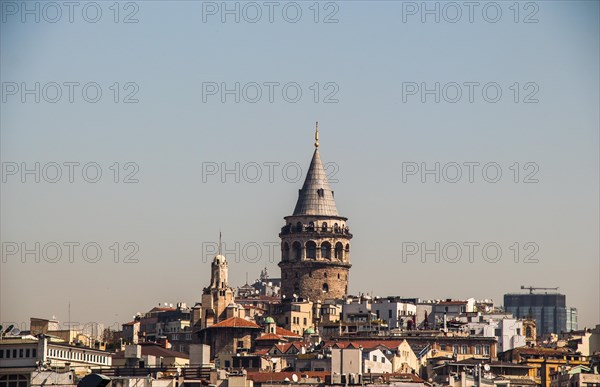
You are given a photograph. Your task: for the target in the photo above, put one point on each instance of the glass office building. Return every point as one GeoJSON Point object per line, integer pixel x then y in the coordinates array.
{"type": "Point", "coordinates": [549, 311]}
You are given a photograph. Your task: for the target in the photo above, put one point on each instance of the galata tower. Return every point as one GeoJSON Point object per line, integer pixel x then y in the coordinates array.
{"type": "Point", "coordinates": [315, 241]}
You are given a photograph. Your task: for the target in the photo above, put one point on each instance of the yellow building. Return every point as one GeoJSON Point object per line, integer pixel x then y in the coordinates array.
{"type": "Point", "coordinates": [544, 361]}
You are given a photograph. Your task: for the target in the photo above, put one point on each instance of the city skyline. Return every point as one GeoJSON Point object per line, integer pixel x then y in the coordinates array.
{"type": "Point", "coordinates": [186, 158]}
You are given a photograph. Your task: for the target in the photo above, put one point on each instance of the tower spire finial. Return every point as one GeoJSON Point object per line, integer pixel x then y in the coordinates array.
{"type": "Point", "coordinates": [219, 241]}
{"type": "Point", "coordinates": [317, 135]}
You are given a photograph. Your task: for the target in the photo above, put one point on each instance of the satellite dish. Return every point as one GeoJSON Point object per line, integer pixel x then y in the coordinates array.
{"type": "Point", "coordinates": [15, 331]}
{"type": "Point", "coordinates": [486, 367]}
{"type": "Point", "coordinates": [295, 378]}
{"type": "Point", "coordinates": [10, 327]}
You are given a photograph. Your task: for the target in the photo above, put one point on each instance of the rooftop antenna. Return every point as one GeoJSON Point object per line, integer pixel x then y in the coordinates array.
{"type": "Point", "coordinates": [246, 278]}
{"type": "Point", "coordinates": [317, 135]}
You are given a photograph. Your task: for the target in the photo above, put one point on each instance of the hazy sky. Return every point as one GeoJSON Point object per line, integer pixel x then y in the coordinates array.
{"type": "Point", "coordinates": [361, 69]}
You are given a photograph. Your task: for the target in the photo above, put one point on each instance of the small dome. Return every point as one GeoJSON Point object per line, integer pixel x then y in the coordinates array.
{"type": "Point", "coordinates": [269, 320]}
{"type": "Point", "coordinates": [309, 331]}
{"type": "Point", "coordinates": [219, 259]}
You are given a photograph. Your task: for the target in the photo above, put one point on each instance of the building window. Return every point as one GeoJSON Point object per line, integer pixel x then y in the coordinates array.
{"type": "Point", "coordinates": [455, 348]}
{"type": "Point", "coordinates": [27, 352]}
{"type": "Point", "coordinates": [326, 250]}
{"type": "Point", "coordinates": [1, 353]}
{"type": "Point", "coordinates": [285, 251]}
{"type": "Point", "coordinates": [478, 350]}
{"type": "Point", "coordinates": [383, 359]}
{"type": "Point", "coordinates": [374, 358]}
{"type": "Point", "coordinates": [297, 250]}
{"type": "Point", "coordinates": [339, 251]}
{"type": "Point", "coordinates": [390, 313]}
{"type": "Point", "coordinates": [311, 250]}
{"type": "Point", "coordinates": [486, 349]}
{"type": "Point", "coordinates": [465, 349]}
{"type": "Point", "coordinates": [14, 380]}
{"type": "Point", "coordinates": [305, 321]}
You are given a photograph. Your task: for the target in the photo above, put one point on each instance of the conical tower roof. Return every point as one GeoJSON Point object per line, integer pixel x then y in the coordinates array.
{"type": "Point", "coordinates": [316, 197]}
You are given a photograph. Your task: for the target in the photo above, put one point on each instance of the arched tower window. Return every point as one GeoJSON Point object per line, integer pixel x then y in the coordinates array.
{"type": "Point", "coordinates": [324, 227]}
{"type": "Point", "coordinates": [347, 252]}
{"type": "Point", "coordinates": [296, 288]}
{"type": "Point", "coordinates": [325, 288]}
{"type": "Point", "coordinates": [326, 250]}
{"type": "Point", "coordinates": [311, 226]}
{"type": "Point", "coordinates": [311, 250]}
{"type": "Point", "coordinates": [336, 227]}
{"type": "Point", "coordinates": [285, 251]}
{"type": "Point", "coordinates": [339, 251]}
{"type": "Point", "coordinates": [298, 227]}
{"type": "Point", "coordinates": [296, 251]}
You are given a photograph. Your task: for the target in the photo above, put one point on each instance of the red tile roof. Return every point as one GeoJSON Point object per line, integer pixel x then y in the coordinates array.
{"type": "Point", "coordinates": [235, 322]}
{"type": "Point", "coordinates": [285, 333]}
{"type": "Point", "coordinates": [263, 351]}
{"type": "Point", "coordinates": [271, 336]}
{"type": "Point", "coordinates": [283, 348]}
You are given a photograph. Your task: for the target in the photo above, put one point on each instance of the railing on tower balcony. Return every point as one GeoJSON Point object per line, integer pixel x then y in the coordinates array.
{"type": "Point", "coordinates": [289, 229]}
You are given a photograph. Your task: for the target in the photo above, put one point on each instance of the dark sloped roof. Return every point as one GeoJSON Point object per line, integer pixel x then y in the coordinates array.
{"type": "Point", "coordinates": [316, 197]}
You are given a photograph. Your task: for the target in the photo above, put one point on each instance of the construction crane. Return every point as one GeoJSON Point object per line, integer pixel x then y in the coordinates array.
{"type": "Point", "coordinates": [532, 288]}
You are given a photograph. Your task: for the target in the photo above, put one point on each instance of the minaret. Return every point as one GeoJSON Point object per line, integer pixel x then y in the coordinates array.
{"type": "Point", "coordinates": [315, 242]}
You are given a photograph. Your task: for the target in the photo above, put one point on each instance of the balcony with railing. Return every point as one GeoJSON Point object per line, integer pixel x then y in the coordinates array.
{"type": "Point", "coordinates": [317, 230]}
